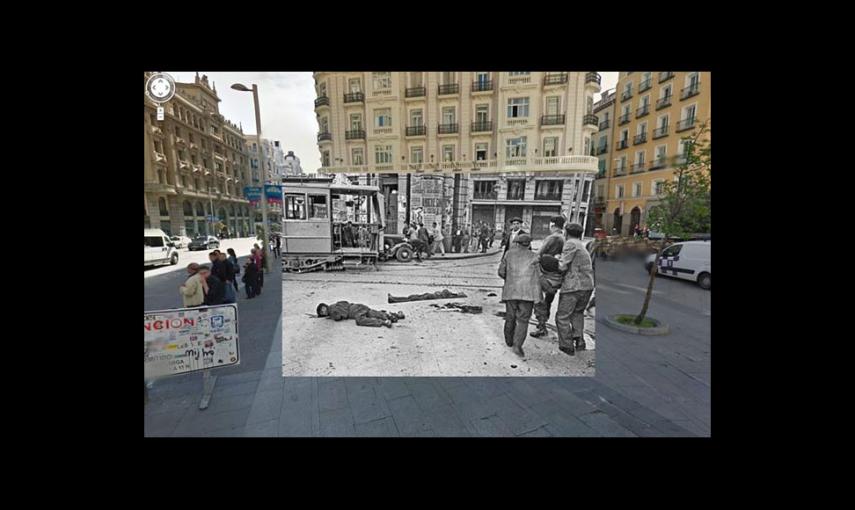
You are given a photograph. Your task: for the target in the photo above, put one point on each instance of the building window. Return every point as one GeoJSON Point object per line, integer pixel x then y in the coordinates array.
{"type": "Point", "coordinates": [550, 146]}
{"type": "Point", "coordinates": [641, 128]}
{"type": "Point", "coordinates": [587, 145]}
{"type": "Point", "coordinates": [636, 189]}
{"type": "Point", "coordinates": [644, 102]}
{"type": "Point", "coordinates": [639, 158]}
{"type": "Point", "coordinates": [295, 206]}
{"type": "Point", "coordinates": [482, 77]}
{"type": "Point", "coordinates": [661, 154]}
{"type": "Point", "coordinates": [688, 114]}
{"type": "Point", "coordinates": [356, 157]}
{"type": "Point", "coordinates": [627, 88]}
{"type": "Point", "coordinates": [482, 113]}
{"type": "Point", "coordinates": [548, 190]}
{"type": "Point", "coordinates": [665, 91]}
{"type": "Point", "coordinates": [662, 122]}
{"type": "Point", "coordinates": [417, 155]}
{"type": "Point", "coordinates": [325, 158]}
{"type": "Point", "coordinates": [318, 207]}
{"type": "Point", "coordinates": [484, 190]}
{"type": "Point", "coordinates": [448, 115]}
{"type": "Point", "coordinates": [383, 117]}
{"type": "Point", "coordinates": [448, 153]}
{"type": "Point", "coordinates": [356, 121]}
{"type": "Point", "coordinates": [624, 136]}
{"type": "Point", "coordinates": [448, 78]}
{"type": "Point", "coordinates": [416, 119]}
{"type": "Point", "coordinates": [322, 89]}
{"type": "Point", "coordinates": [516, 189]}
{"type": "Point", "coordinates": [355, 85]}
{"type": "Point", "coordinates": [382, 81]}
{"type": "Point", "coordinates": [516, 147]}
{"type": "Point", "coordinates": [658, 187]}
{"type": "Point", "coordinates": [162, 206]}
{"type": "Point", "coordinates": [586, 191]}
{"type": "Point", "coordinates": [416, 80]}
{"type": "Point", "coordinates": [518, 107]}
{"type": "Point", "coordinates": [619, 191]}
{"type": "Point", "coordinates": [480, 152]}
{"type": "Point", "coordinates": [601, 164]}
{"type": "Point", "coordinates": [552, 103]}
{"type": "Point", "coordinates": [382, 154]}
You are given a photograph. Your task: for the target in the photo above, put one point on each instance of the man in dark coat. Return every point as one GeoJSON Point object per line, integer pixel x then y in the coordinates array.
{"type": "Point", "coordinates": [520, 269]}
{"type": "Point", "coordinates": [216, 289]}
{"type": "Point", "coordinates": [516, 229]}
{"type": "Point", "coordinates": [484, 237]}
{"type": "Point", "coordinates": [551, 278]}
{"type": "Point", "coordinates": [347, 235]}
{"type": "Point", "coordinates": [424, 238]}
{"type": "Point", "coordinates": [363, 314]}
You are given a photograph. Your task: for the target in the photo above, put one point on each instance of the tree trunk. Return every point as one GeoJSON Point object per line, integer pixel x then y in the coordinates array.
{"type": "Point", "coordinates": [653, 270]}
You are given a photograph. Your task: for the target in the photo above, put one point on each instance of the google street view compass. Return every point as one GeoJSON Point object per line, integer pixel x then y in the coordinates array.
{"type": "Point", "coordinates": [160, 87]}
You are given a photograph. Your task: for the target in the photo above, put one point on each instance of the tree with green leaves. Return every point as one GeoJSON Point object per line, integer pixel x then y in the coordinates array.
{"type": "Point", "coordinates": [683, 207]}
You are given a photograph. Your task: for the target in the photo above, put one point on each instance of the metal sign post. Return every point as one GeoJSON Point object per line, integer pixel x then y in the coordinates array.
{"type": "Point", "coordinates": [208, 381]}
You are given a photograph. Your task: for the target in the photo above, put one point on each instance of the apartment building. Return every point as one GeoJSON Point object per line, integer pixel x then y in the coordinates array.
{"type": "Point", "coordinates": [457, 148]}
{"type": "Point", "coordinates": [604, 109]}
{"type": "Point", "coordinates": [196, 165]}
{"type": "Point", "coordinates": [656, 112]}
{"type": "Point", "coordinates": [291, 165]}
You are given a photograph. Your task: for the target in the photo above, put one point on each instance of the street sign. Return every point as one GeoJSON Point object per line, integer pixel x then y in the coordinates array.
{"type": "Point", "coordinates": [184, 340]}
{"type": "Point", "coordinates": [274, 193]}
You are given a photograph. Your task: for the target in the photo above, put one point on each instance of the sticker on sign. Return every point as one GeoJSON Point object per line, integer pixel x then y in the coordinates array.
{"type": "Point", "coordinates": [184, 340]}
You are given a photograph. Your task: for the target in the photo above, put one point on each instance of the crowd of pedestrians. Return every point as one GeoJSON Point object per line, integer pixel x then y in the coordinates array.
{"type": "Point", "coordinates": [216, 283]}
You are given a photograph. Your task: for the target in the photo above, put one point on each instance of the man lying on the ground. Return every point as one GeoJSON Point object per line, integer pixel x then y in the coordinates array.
{"type": "Point", "coordinates": [441, 294]}
{"type": "Point", "coordinates": [363, 315]}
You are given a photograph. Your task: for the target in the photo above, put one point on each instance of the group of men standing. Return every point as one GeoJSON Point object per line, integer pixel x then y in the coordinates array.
{"type": "Point", "coordinates": [355, 237]}
{"type": "Point", "coordinates": [562, 266]}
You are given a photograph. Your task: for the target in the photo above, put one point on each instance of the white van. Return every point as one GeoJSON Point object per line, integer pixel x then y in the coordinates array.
{"type": "Point", "coordinates": [159, 249]}
{"type": "Point", "coordinates": [690, 260]}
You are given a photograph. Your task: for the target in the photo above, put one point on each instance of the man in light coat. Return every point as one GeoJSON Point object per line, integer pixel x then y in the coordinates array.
{"type": "Point", "coordinates": [192, 292]}
{"type": "Point", "coordinates": [576, 289]}
{"type": "Point", "coordinates": [520, 268]}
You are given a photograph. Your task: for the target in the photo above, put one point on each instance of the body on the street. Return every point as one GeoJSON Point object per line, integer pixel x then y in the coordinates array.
{"type": "Point", "coordinates": [362, 314]}
{"type": "Point", "coordinates": [520, 268]}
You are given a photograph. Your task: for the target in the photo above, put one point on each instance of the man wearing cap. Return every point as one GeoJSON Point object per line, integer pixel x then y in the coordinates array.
{"type": "Point", "coordinates": [520, 268]}
{"type": "Point", "coordinates": [551, 278]}
{"type": "Point", "coordinates": [576, 289]}
{"type": "Point", "coordinates": [516, 229]}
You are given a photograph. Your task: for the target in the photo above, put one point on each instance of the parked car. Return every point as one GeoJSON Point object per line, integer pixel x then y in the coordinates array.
{"type": "Point", "coordinates": [690, 260]}
{"type": "Point", "coordinates": [397, 246]}
{"type": "Point", "coordinates": [204, 243]}
{"type": "Point", "coordinates": [159, 249]}
{"type": "Point", "coordinates": [180, 241]}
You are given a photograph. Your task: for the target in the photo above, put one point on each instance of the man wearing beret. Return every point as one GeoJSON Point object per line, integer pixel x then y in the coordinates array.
{"type": "Point", "coordinates": [551, 278]}
{"type": "Point", "coordinates": [575, 291]}
{"type": "Point", "coordinates": [520, 268]}
{"type": "Point", "coordinates": [516, 229]}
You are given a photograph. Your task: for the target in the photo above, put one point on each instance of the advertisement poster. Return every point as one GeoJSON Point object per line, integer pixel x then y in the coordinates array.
{"type": "Point", "coordinates": [185, 340]}
{"type": "Point", "coordinates": [274, 193]}
{"type": "Point", "coordinates": [253, 194]}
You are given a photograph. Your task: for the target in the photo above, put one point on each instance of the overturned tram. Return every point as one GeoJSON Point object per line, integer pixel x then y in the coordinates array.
{"type": "Point", "coordinates": [330, 227]}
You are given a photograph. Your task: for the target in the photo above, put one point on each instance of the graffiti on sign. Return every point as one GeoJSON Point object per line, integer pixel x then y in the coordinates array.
{"type": "Point", "coordinates": [189, 339]}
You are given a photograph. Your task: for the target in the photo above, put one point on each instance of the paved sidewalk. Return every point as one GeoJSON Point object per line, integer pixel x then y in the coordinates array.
{"type": "Point", "coordinates": [644, 386]}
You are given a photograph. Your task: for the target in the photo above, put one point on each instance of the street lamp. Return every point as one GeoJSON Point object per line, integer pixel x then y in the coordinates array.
{"type": "Point", "coordinates": [264, 241]}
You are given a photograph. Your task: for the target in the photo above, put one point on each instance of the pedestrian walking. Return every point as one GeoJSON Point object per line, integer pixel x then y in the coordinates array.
{"type": "Point", "coordinates": [484, 235]}
{"type": "Point", "coordinates": [215, 289]}
{"type": "Point", "coordinates": [230, 291]}
{"type": "Point", "coordinates": [464, 240]}
{"type": "Point", "coordinates": [233, 260]}
{"type": "Point", "coordinates": [576, 289]}
{"type": "Point", "coordinates": [192, 292]}
{"type": "Point", "coordinates": [424, 238]}
{"type": "Point", "coordinates": [437, 240]}
{"type": "Point", "coordinates": [456, 239]}
{"type": "Point", "coordinates": [250, 278]}
{"type": "Point", "coordinates": [217, 266]}
{"type": "Point", "coordinates": [277, 248]}
{"type": "Point", "coordinates": [520, 269]}
{"type": "Point", "coordinates": [492, 236]}
{"type": "Point", "coordinates": [550, 278]}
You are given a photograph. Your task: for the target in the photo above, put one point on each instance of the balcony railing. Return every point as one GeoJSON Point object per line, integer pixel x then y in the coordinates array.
{"type": "Point", "coordinates": [626, 95]}
{"type": "Point", "coordinates": [640, 139]}
{"type": "Point", "coordinates": [602, 149]}
{"type": "Point", "coordinates": [663, 102]}
{"type": "Point", "coordinates": [619, 171]}
{"type": "Point", "coordinates": [415, 92]}
{"type": "Point", "coordinates": [624, 119]}
{"type": "Point", "coordinates": [636, 168]}
{"type": "Point", "coordinates": [448, 88]}
{"type": "Point", "coordinates": [354, 97]}
{"type": "Point", "coordinates": [604, 124]}
{"type": "Point", "coordinates": [665, 76]}
{"type": "Point", "coordinates": [481, 86]}
{"type": "Point", "coordinates": [692, 90]}
{"type": "Point", "coordinates": [646, 84]}
{"type": "Point", "coordinates": [478, 127]}
{"type": "Point", "coordinates": [520, 79]}
{"type": "Point", "coordinates": [555, 79]}
{"type": "Point", "coordinates": [622, 144]}
{"type": "Point", "coordinates": [658, 163]}
{"type": "Point", "coordinates": [590, 120]}
{"type": "Point", "coordinates": [593, 78]}
{"type": "Point", "coordinates": [322, 101]}
{"type": "Point", "coordinates": [556, 197]}
{"type": "Point", "coordinates": [685, 124]}
{"type": "Point", "coordinates": [660, 132]}
{"type": "Point", "coordinates": [416, 130]}
{"type": "Point", "coordinates": [551, 120]}
{"type": "Point", "coordinates": [324, 136]}
{"type": "Point", "coordinates": [641, 112]}
{"type": "Point", "coordinates": [516, 195]}
{"type": "Point", "coordinates": [588, 164]}
{"type": "Point", "coordinates": [354, 134]}
{"type": "Point", "coordinates": [445, 129]}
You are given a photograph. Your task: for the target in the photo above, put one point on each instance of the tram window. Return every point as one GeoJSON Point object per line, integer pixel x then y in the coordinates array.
{"type": "Point", "coordinates": [318, 206]}
{"type": "Point", "coordinates": [295, 206]}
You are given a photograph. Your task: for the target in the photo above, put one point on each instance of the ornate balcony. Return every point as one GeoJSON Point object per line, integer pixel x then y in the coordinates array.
{"type": "Point", "coordinates": [354, 97]}
{"type": "Point", "coordinates": [604, 124]}
{"type": "Point", "coordinates": [636, 168]}
{"type": "Point", "coordinates": [660, 132]}
{"type": "Point", "coordinates": [482, 86]}
{"type": "Point", "coordinates": [641, 112]}
{"type": "Point", "coordinates": [415, 92]}
{"type": "Point", "coordinates": [479, 127]}
{"type": "Point", "coordinates": [324, 136]}
{"type": "Point", "coordinates": [593, 78]}
{"type": "Point", "coordinates": [665, 76]}
{"type": "Point", "coordinates": [685, 124]}
{"type": "Point", "coordinates": [416, 131]}
{"type": "Point", "coordinates": [622, 144]}
{"type": "Point", "coordinates": [639, 139]}
{"type": "Point", "coordinates": [354, 134]}
{"type": "Point", "coordinates": [626, 95]}
{"type": "Point", "coordinates": [448, 89]}
{"type": "Point", "coordinates": [624, 119]}
{"type": "Point", "coordinates": [552, 120]}
{"type": "Point", "coordinates": [590, 120]}
{"type": "Point", "coordinates": [322, 101]}
{"type": "Point", "coordinates": [445, 129]}
{"type": "Point", "coordinates": [663, 102]}
{"type": "Point", "coordinates": [692, 90]}
{"type": "Point", "coordinates": [646, 84]}
{"type": "Point", "coordinates": [554, 79]}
